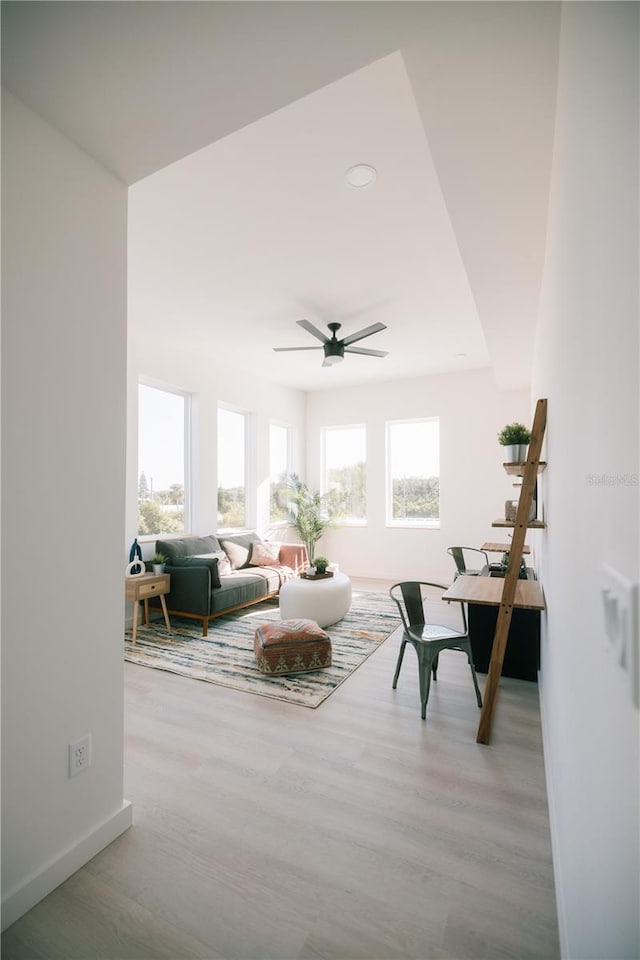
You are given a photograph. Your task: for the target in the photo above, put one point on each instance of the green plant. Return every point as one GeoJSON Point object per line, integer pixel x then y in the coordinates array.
{"type": "Point", "coordinates": [310, 512]}
{"type": "Point", "coordinates": [514, 433]}
{"type": "Point", "coordinates": [158, 558]}
{"type": "Point", "coordinates": [321, 564]}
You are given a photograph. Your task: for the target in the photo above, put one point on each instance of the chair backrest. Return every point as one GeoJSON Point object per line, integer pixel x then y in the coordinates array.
{"type": "Point", "coordinates": [468, 559]}
{"type": "Point", "coordinates": [421, 602]}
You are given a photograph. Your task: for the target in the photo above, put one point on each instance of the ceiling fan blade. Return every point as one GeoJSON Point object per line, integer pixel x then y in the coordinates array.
{"type": "Point", "coordinates": [286, 349]}
{"type": "Point", "coordinates": [309, 327]}
{"type": "Point", "coordinates": [361, 334]}
{"type": "Point", "coordinates": [365, 352]}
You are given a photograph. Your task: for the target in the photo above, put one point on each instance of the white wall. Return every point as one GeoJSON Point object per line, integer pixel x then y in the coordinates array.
{"type": "Point", "coordinates": [587, 366]}
{"type": "Point", "coordinates": [174, 362]}
{"type": "Point", "coordinates": [63, 437]}
{"type": "Point", "coordinates": [473, 485]}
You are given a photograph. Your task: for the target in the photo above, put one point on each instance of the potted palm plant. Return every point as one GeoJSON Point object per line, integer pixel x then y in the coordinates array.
{"type": "Point", "coordinates": [514, 438]}
{"type": "Point", "coordinates": [310, 512]}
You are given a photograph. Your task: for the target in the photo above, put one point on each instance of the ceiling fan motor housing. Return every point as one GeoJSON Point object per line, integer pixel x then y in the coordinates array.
{"type": "Point", "coordinates": [334, 348]}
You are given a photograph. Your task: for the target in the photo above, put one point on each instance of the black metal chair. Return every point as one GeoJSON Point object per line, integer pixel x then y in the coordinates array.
{"type": "Point", "coordinates": [430, 625]}
{"type": "Point", "coordinates": [467, 559]}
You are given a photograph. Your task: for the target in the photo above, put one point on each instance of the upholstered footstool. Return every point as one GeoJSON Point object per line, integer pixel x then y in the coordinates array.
{"type": "Point", "coordinates": [292, 646]}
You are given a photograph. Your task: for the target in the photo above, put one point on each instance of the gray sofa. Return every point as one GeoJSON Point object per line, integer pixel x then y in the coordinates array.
{"type": "Point", "coordinates": [211, 576]}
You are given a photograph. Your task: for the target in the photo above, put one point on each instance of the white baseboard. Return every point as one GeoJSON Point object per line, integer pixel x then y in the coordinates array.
{"type": "Point", "coordinates": [43, 881]}
{"type": "Point", "coordinates": [553, 829]}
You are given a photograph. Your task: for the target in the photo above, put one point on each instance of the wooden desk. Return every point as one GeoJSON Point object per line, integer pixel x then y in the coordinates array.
{"type": "Point", "coordinates": [483, 596]}
{"type": "Point", "coordinates": [141, 588]}
{"type": "Point", "coordinates": [488, 590]}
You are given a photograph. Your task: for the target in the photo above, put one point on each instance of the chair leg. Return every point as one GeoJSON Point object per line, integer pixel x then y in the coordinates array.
{"type": "Point", "coordinates": [398, 665]}
{"type": "Point", "coordinates": [467, 650]}
{"type": "Point", "coordinates": [434, 667]}
{"type": "Point", "coordinates": [424, 670]}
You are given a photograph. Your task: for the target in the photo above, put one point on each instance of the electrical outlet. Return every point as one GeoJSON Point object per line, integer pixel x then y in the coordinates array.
{"type": "Point", "coordinates": [79, 755]}
{"type": "Point", "coordinates": [620, 607]}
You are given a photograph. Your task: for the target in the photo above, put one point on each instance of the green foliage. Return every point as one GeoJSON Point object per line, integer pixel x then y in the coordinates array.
{"type": "Point", "coordinates": [231, 507]}
{"type": "Point", "coordinates": [152, 519]}
{"type": "Point", "coordinates": [156, 511]}
{"type": "Point", "coordinates": [278, 499]}
{"type": "Point", "coordinates": [514, 433]}
{"type": "Point", "coordinates": [416, 498]}
{"type": "Point", "coordinates": [310, 512]}
{"type": "Point", "coordinates": [143, 487]}
{"type": "Point", "coordinates": [158, 558]}
{"type": "Point", "coordinates": [348, 487]}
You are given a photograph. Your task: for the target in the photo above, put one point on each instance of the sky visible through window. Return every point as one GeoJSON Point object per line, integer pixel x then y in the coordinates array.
{"type": "Point", "coordinates": [415, 448]}
{"type": "Point", "coordinates": [230, 448]}
{"type": "Point", "coordinates": [160, 437]}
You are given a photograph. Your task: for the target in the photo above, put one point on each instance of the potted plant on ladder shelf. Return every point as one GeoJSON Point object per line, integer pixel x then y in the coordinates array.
{"type": "Point", "coordinates": [514, 438]}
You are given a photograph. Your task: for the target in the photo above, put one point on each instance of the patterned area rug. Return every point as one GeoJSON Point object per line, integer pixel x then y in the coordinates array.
{"type": "Point", "coordinates": [226, 656]}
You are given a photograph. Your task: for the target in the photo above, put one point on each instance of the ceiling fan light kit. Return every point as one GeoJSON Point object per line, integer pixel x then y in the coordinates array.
{"type": "Point", "coordinates": [334, 349]}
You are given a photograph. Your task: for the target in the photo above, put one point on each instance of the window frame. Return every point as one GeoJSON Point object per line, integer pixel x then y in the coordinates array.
{"type": "Point", "coordinates": [415, 523]}
{"type": "Point", "coordinates": [187, 397]}
{"type": "Point", "coordinates": [325, 489]}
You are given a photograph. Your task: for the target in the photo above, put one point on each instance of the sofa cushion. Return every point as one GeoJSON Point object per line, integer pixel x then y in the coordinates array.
{"type": "Point", "coordinates": [211, 562]}
{"type": "Point", "coordinates": [187, 547]}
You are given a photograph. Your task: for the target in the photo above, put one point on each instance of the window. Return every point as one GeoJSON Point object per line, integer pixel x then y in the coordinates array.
{"type": "Point", "coordinates": [232, 469]}
{"type": "Point", "coordinates": [413, 473]}
{"type": "Point", "coordinates": [163, 460]}
{"type": "Point", "coordinates": [344, 471]}
{"type": "Point", "coordinates": [279, 468]}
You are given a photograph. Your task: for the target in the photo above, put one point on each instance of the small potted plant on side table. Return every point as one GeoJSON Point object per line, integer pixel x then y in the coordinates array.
{"type": "Point", "coordinates": [158, 561]}
{"type": "Point", "coordinates": [514, 438]}
{"type": "Point", "coordinates": [321, 564]}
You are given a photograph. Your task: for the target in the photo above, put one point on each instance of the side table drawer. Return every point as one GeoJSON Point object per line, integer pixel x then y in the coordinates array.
{"type": "Point", "coordinates": [149, 589]}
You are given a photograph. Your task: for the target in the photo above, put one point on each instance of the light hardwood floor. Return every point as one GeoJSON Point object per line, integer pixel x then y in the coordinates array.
{"type": "Point", "coordinates": [356, 830]}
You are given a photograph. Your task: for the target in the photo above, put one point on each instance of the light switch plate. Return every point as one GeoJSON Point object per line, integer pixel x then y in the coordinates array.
{"type": "Point", "coordinates": [620, 610]}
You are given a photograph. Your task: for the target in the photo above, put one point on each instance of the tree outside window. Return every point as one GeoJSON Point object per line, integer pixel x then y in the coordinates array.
{"type": "Point", "coordinates": [413, 472]}
{"type": "Point", "coordinates": [344, 457]}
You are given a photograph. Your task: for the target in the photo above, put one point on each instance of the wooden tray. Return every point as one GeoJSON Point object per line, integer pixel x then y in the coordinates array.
{"type": "Point", "coordinates": [317, 576]}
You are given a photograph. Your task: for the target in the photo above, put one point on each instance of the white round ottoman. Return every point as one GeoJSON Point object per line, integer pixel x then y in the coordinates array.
{"type": "Point", "coordinates": [324, 601]}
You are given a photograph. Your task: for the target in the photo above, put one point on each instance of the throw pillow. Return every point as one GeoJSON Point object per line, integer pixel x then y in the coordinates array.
{"type": "Point", "coordinates": [224, 566]}
{"type": "Point", "coordinates": [238, 555]}
{"type": "Point", "coordinates": [264, 554]}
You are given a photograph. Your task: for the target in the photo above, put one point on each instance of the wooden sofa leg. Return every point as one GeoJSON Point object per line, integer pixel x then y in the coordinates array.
{"type": "Point", "coordinates": [205, 627]}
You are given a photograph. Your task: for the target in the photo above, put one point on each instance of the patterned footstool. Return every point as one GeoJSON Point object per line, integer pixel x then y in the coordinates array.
{"type": "Point", "coordinates": [292, 646]}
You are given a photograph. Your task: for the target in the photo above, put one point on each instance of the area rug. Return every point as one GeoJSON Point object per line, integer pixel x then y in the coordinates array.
{"type": "Point", "coordinates": [226, 656]}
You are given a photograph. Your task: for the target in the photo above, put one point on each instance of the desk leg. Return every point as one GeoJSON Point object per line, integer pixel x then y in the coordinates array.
{"type": "Point", "coordinates": [166, 613]}
{"type": "Point", "coordinates": [136, 604]}
{"type": "Point", "coordinates": [146, 613]}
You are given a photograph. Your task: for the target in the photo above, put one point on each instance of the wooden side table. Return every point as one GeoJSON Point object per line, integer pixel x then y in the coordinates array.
{"type": "Point", "coordinates": [141, 588]}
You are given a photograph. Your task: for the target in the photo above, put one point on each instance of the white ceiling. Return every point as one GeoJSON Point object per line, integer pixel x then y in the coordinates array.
{"type": "Point", "coordinates": [269, 104]}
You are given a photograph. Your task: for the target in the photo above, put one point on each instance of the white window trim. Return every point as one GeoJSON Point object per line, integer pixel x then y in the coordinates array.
{"type": "Point", "coordinates": [403, 522]}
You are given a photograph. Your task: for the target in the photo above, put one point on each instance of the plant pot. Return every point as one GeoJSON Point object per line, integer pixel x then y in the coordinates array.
{"type": "Point", "coordinates": [158, 568]}
{"type": "Point", "coordinates": [515, 452]}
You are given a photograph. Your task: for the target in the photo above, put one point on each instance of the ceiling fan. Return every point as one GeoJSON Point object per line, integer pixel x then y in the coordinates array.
{"type": "Point", "coordinates": [334, 349]}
